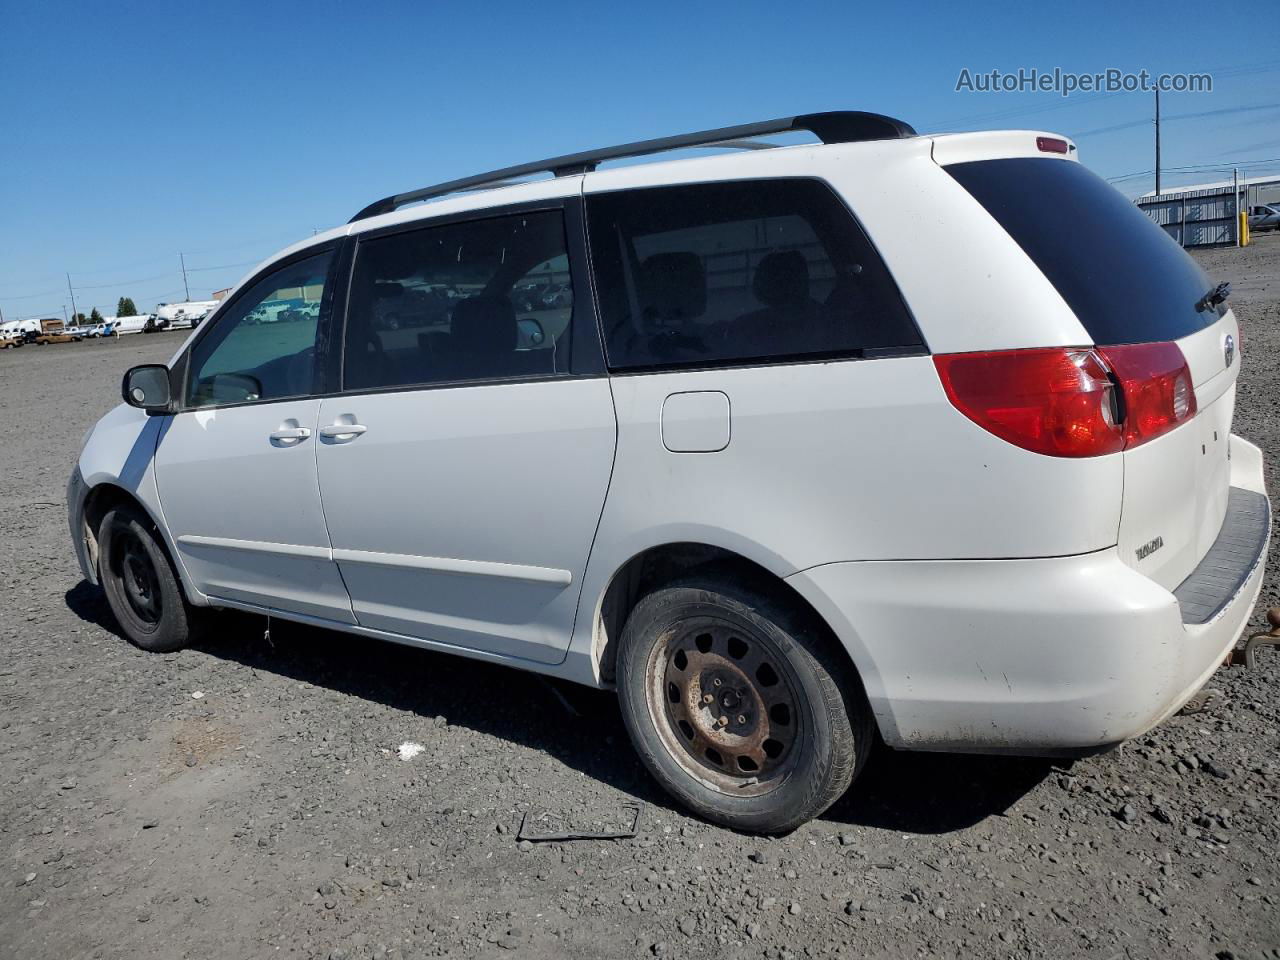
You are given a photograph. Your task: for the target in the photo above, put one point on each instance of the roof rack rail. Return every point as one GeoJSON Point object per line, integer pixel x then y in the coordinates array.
{"type": "Point", "coordinates": [841, 126]}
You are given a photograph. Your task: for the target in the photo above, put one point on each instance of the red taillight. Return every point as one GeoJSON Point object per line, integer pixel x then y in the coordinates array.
{"type": "Point", "coordinates": [1156, 383]}
{"type": "Point", "coordinates": [1061, 401]}
{"type": "Point", "coordinates": [1051, 145]}
{"type": "Point", "coordinates": [1055, 401]}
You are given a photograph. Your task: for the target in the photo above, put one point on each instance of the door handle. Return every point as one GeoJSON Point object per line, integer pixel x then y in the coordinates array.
{"type": "Point", "coordinates": [338, 430]}
{"type": "Point", "coordinates": [291, 433]}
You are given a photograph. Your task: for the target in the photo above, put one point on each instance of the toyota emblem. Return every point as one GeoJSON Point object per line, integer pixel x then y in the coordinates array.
{"type": "Point", "coordinates": [1229, 349]}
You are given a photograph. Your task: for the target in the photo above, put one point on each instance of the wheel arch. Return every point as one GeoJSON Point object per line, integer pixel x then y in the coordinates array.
{"type": "Point", "coordinates": [100, 499]}
{"type": "Point", "coordinates": [665, 563]}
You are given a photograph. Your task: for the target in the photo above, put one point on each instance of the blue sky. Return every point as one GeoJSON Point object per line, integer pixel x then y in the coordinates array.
{"type": "Point", "coordinates": [134, 131]}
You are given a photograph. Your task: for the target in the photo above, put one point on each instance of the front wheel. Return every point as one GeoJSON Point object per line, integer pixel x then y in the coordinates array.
{"type": "Point", "coordinates": [142, 589]}
{"type": "Point", "coordinates": [739, 706]}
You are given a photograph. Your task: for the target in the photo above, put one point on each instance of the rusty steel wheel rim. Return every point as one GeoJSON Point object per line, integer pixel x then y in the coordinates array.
{"type": "Point", "coordinates": [724, 701]}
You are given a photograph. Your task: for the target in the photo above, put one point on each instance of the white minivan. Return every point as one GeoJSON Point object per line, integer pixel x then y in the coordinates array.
{"type": "Point", "coordinates": [924, 438]}
{"type": "Point", "coordinates": [126, 325]}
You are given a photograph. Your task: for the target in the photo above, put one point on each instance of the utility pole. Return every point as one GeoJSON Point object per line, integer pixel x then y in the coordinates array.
{"type": "Point", "coordinates": [184, 277]}
{"type": "Point", "coordinates": [64, 314]}
{"type": "Point", "coordinates": [1235, 197]}
{"type": "Point", "coordinates": [73, 296]}
{"type": "Point", "coordinates": [1157, 141]}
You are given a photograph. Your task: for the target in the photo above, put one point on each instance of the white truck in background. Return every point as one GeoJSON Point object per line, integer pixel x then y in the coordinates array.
{"type": "Point", "coordinates": [123, 325]}
{"type": "Point", "coordinates": [28, 330]}
{"type": "Point", "coordinates": [19, 329]}
{"type": "Point", "coordinates": [177, 316]}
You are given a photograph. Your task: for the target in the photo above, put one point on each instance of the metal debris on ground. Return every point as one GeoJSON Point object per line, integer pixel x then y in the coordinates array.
{"type": "Point", "coordinates": [1201, 701]}
{"type": "Point", "coordinates": [531, 833]}
{"type": "Point", "coordinates": [564, 701]}
{"type": "Point", "coordinates": [1247, 656]}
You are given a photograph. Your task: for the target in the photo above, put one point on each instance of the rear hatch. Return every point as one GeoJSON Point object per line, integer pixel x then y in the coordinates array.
{"type": "Point", "coordinates": [1128, 282]}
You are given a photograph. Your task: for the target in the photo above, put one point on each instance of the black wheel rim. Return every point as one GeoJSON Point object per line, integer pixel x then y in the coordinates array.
{"type": "Point", "coordinates": [725, 702]}
{"type": "Point", "coordinates": [139, 582]}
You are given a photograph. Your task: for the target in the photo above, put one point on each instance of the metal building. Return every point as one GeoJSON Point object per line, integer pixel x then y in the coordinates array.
{"type": "Point", "coordinates": [1205, 214]}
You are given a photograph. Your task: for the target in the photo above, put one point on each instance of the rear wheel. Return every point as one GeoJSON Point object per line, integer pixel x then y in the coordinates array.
{"type": "Point", "coordinates": [738, 707]}
{"type": "Point", "coordinates": [142, 589]}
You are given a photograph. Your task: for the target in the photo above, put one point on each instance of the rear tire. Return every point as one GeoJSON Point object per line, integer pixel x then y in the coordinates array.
{"type": "Point", "coordinates": [141, 586]}
{"type": "Point", "coordinates": [738, 706]}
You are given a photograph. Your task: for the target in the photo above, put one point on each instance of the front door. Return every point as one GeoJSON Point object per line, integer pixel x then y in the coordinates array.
{"type": "Point", "coordinates": [236, 468]}
{"type": "Point", "coordinates": [464, 467]}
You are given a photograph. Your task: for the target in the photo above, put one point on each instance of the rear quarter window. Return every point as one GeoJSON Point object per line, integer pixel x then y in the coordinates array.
{"type": "Point", "coordinates": [1126, 280]}
{"type": "Point", "coordinates": [740, 272]}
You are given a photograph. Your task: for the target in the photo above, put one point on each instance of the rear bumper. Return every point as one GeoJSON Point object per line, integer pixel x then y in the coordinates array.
{"type": "Point", "coordinates": [1054, 655]}
{"type": "Point", "coordinates": [1240, 547]}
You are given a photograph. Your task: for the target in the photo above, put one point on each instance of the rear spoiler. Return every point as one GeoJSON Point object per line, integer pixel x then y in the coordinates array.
{"type": "Point", "coordinates": [1000, 145]}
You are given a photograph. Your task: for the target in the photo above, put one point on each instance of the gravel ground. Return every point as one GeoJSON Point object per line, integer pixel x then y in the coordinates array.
{"type": "Point", "coordinates": [247, 798]}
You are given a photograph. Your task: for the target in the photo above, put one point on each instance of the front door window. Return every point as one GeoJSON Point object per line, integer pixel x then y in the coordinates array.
{"type": "Point", "coordinates": [263, 347]}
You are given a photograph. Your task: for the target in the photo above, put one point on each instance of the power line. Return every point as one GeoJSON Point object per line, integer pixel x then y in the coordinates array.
{"type": "Point", "coordinates": [1262, 66]}
{"type": "Point", "coordinates": [1195, 168]}
{"type": "Point", "coordinates": [122, 283]}
{"type": "Point", "coordinates": [1200, 115]}
{"type": "Point", "coordinates": [122, 267]}
{"type": "Point", "coordinates": [225, 266]}
{"type": "Point", "coordinates": [1025, 111]}
{"type": "Point", "coordinates": [166, 296]}
{"type": "Point", "coordinates": [32, 296]}
{"type": "Point", "coordinates": [136, 280]}
{"type": "Point", "coordinates": [1187, 168]}
{"type": "Point", "coordinates": [275, 240]}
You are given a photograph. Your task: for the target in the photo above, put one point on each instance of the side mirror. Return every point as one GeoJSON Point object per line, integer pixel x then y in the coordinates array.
{"type": "Point", "coordinates": [147, 387]}
{"type": "Point", "coordinates": [530, 333]}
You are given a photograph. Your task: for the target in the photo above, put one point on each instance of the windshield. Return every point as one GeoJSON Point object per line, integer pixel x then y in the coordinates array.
{"type": "Point", "coordinates": [1126, 280]}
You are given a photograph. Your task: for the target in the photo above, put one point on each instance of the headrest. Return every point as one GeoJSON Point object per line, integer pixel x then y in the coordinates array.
{"type": "Point", "coordinates": [782, 278]}
{"type": "Point", "coordinates": [673, 286]}
{"type": "Point", "coordinates": [484, 325]}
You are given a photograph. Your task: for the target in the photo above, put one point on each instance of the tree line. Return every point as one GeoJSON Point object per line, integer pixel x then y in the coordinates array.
{"type": "Point", "coordinates": [124, 308]}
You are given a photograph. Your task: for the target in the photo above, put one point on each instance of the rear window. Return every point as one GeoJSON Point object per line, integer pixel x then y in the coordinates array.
{"type": "Point", "coordinates": [741, 272]}
{"type": "Point", "coordinates": [1124, 278]}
